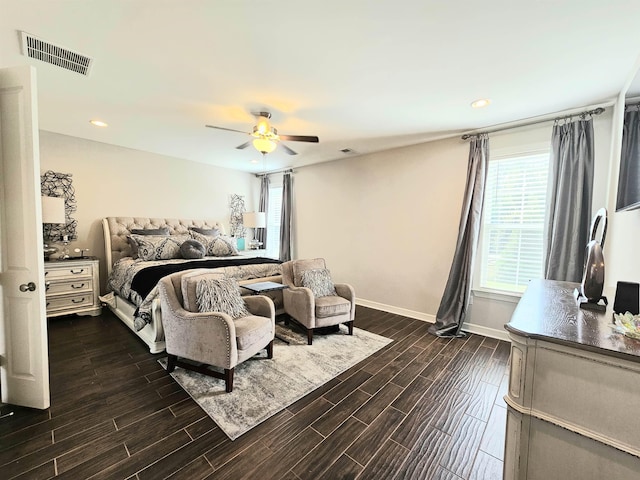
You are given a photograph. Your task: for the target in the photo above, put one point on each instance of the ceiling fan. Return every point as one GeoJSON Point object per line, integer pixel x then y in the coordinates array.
{"type": "Point", "coordinates": [266, 137]}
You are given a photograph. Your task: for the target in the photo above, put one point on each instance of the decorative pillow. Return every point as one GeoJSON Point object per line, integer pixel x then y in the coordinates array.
{"type": "Point", "coordinates": [210, 232]}
{"type": "Point", "coordinates": [319, 281]}
{"type": "Point", "coordinates": [144, 231]}
{"type": "Point", "coordinates": [152, 247]}
{"type": "Point", "coordinates": [188, 283]}
{"type": "Point", "coordinates": [303, 265]}
{"type": "Point", "coordinates": [220, 246]}
{"type": "Point", "coordinates": [221, 295]}
{"type": "Point", "coordinates": [192, 249]}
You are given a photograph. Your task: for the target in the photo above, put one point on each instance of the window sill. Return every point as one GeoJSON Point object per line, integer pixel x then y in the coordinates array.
{"type": "Point", "coordinates": [500, 295]}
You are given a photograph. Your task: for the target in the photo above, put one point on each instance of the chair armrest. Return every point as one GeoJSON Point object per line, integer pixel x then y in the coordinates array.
{"type": "Point", "coordinates": [261, 306]}
{"type": "Point", "coordinates": [345, 290]}
{"type": "Point", "coordinates": [299, 302]}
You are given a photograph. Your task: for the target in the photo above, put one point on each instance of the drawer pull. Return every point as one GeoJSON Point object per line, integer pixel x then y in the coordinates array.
{"type": "Point", "coordinates": [73, 300]}
{"type": "Point", "coordinates": [77, 286]}
{"type": "Point", "coordinates": [47, 285]}
{"type": "Point", "coordinates": [48, 303]}
{"type": "Point", "coordinates": [76, 272]}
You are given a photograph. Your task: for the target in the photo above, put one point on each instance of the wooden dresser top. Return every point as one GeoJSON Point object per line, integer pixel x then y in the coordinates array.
{"type": "Point", "coordinates": [548, 311]}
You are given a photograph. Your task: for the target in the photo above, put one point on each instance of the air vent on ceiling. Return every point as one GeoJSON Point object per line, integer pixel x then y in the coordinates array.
{"type": "Point", "coordinates": [34, 47]}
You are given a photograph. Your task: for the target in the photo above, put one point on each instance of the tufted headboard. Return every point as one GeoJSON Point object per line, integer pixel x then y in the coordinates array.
{"type": "Point", "coordinates": [116, 229]}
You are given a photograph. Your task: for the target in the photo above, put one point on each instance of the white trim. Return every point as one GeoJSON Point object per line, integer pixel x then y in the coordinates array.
{"type": "Point", "coordinates": [501, 296]}
{"type": "Point", "coordinates": [426, 317]}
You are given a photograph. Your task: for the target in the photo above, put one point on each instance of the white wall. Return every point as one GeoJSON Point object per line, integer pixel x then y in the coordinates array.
{"type": "Point", "coordinates": [385, 222]}
{"type": "Point", "coordinates": [388, 222]}
{"type": "Point", "coordinates": [116, 181]}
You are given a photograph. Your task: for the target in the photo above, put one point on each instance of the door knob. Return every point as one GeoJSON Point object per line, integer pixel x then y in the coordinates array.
{"type": "Point", "coordinates": [28, 287]}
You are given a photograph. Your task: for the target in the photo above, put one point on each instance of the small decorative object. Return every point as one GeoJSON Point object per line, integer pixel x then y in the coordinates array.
{"type": "Point", "coordinates": [589, 294]}
{"type": "Point", "coordinates": [65, 248]}
{"type": "Point", "coordinates": [255, 220]}
{"type": "Point", "coordinates": [81, 251]}
{"type": "Point", "coordinates": [627, 298]}
{"type": "Point", "coordinates": [627, 324]}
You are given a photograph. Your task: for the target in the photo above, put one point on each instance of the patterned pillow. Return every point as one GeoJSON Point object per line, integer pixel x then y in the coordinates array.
{"type": "Point", "coordinates": [220, 295]}
{"type": "Point", "coordinates": [220, 246]}
{"type": "Point", "coordinates": [151, 247]}
{"type": "Point", "coordinates": [144, 231]}
{"type": "Point", "coordinates": [319, 281]}
{"type": "Point", "coordinates": [192, 249]}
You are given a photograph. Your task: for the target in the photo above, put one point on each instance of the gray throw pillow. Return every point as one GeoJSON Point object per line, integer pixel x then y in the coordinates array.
{"type": "Point", "coordinates": [144, 231]}
{"type": "Point", "coordinates": [192, 249]}
{"type": "Point", "coordinates": [220, 295]}
{"type": "Point", "coordinates": [319, 281]}
{"type": "Point", "coordinates": [210, 232]}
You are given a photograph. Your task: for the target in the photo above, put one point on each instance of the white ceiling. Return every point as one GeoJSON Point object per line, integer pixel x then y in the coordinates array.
{"type": "Point", "coordinates": [362, 74]}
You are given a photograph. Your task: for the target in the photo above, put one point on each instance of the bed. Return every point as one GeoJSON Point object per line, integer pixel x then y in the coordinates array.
{"type": "Point", "coordinates": [131, 283]}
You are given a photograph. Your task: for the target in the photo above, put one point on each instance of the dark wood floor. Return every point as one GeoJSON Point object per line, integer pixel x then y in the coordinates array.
{"type": "Point", "coordinates": [421, 408]}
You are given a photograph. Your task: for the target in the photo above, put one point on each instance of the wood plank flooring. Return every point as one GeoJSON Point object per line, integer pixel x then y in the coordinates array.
{"type": "Point", "coordinates": [421, 408]}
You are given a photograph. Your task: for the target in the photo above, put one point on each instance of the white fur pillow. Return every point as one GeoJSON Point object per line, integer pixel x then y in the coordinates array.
{"type": "Point", "coordinates": [319, 281]}
{"type": "Point", "coordinates": [220, 295]}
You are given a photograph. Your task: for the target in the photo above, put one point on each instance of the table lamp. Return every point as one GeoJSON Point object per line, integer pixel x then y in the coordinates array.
{"type": "Point", "coordinates": [52, 212]}
{"type": "Point", "coordinates": [254, 220]}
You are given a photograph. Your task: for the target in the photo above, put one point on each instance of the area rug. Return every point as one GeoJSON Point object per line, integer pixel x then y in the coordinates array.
{"type": "Point", "coordinates": [263, 387]}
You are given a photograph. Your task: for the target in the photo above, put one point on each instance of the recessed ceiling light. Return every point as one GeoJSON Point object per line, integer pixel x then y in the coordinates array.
{"type": "Point", "coordinates": [98, 123]}
{"type": "Point", "coordinates": [482, 102]}
{"type": "Point", "coordinates": [255, 161]}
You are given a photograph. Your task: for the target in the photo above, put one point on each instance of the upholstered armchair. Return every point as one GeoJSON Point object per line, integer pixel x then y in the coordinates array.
{"type": "Point", "coordinates": [212, 338]}
{"type": "Point", "coordinates": [313, 300]}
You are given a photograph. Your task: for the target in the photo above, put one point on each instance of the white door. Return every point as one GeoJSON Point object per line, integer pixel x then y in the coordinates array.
{"type": "Point", "coordinates": [24, 357]}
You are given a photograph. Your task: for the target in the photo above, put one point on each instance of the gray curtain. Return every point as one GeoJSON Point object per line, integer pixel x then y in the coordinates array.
{"type": "Point", "coordinates": [455, 300]}
{"type": "Point", "coordinates": [569, 204]}
{"type": "Point", "coordinates": [263, 206]}
{"type": "Point", "coordinates": [629, 178]}
{"type": "Point", "coordinates": [285, 218]}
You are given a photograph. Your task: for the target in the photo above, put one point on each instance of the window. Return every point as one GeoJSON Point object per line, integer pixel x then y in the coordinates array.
{"type": "Point", "coordinates": [273, 221]}
{"type": "Point", "coordinates": [513, 218]}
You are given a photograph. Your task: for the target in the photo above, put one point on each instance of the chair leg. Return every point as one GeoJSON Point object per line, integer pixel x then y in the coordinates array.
{"type": "Point", "coordinates": [228, 379]}
{"type": "Point", "coordinates": [309, 336]}
{"type": "Point", "coordinates": [350, 326]}
{"type": "Point", "coordinates": [270, 349]}
{"type": "Point", "coordinates": [171, 363]}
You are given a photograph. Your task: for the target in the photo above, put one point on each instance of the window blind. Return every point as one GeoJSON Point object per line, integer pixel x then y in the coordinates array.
{"type": "Point", "coordinates": [513, 222]}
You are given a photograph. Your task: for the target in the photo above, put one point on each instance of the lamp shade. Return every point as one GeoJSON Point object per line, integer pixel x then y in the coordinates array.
{"type": "Point", "coordinates": [254, 219]}
{"type": "Point", "coordinates": [264, 145]}
{"type": "Point", "coordinates": [53, 210]}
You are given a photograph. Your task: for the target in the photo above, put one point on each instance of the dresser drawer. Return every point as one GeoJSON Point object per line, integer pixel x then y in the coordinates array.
{"type": "Point", "coordinates": [68, 272]}
{"type": "Point", "coordinates": [69, 286]}
{"type": "Point", "coordinates": [69, 302]}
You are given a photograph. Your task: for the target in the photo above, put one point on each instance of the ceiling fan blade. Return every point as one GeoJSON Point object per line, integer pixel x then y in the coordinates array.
{"type": "Point", "coordinates": [244, 145]}
{"type": "Point", "coordinates": [299, 138]}
{"type": "Point", "coordinates": [288, 150]}
{"type": "Point", "coordinates": [227, 129]}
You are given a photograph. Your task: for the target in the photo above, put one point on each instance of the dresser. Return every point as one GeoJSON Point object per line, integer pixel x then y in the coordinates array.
{"type": "Point", "coordinates": [573, 399]}
{"type": "Point", "coordinates": [72, 286]}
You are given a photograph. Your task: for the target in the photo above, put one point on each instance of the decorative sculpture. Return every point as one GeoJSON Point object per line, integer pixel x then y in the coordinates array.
{"type": "Point", "coordinates": [589, 293]}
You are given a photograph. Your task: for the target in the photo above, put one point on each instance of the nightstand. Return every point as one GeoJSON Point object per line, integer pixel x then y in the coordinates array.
{"type": "Point", "coordinates": [72, 286]}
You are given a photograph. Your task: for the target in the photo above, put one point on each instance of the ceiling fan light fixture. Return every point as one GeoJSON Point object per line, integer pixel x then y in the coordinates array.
{"type": "Point", "coordinates": [264, 145]}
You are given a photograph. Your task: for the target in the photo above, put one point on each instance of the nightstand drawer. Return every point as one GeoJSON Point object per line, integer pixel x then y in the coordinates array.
{"type": "Point", "coordinates": [69, 286]}
{"type": "Point", "coordinates": [72, 286]}
{"type": "Point", "coordinates": [69, 272]}
{"type": "Point", "coordinates": [69, 302]}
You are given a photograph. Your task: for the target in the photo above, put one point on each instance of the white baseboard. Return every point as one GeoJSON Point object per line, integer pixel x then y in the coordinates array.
{"type": "Point", "coordinates": [425, 317]}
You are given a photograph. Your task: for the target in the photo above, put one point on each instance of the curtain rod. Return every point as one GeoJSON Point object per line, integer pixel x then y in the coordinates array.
{"type": "Point", "coordinates": [283, 170]}
{"type": "Point", "coordinates": [595, 111]}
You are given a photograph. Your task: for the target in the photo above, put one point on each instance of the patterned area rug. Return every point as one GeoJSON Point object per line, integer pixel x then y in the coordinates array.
{"type": "Point", "coordinates": [263, 387]}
